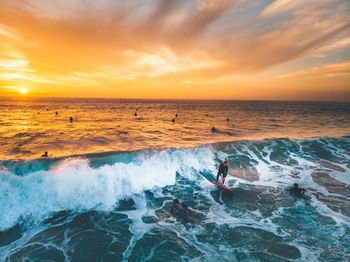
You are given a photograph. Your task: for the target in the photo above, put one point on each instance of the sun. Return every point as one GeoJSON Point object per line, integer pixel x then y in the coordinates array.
{"type": "Point", "coordinates": [23, 91]}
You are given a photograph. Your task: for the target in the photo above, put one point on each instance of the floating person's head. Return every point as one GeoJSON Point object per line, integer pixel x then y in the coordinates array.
{"type": "Point", "coordinates": [46, 154]}
{"type": "Point", "coordinates": [296, 185]}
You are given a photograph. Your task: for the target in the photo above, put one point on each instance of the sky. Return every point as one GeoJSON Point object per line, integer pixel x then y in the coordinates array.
{"type": "Point", "coordinates": [176, 49]}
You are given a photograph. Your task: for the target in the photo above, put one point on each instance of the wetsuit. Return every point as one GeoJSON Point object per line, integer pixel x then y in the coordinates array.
{"type": "Point", "coordinates": [222, 171]}
{"type": "Point", "coordinates": [297, 191]}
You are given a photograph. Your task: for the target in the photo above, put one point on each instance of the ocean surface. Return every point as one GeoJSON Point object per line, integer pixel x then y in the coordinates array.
{"type": "Point", "coordinates": [106, 190]}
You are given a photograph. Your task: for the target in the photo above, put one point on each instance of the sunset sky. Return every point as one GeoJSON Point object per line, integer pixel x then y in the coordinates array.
{"type": "Point", "coordinates": [200, 49]}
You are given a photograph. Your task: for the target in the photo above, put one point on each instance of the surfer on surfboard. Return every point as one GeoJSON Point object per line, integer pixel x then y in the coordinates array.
{"type": "Point", "coordinates": [223, 169]}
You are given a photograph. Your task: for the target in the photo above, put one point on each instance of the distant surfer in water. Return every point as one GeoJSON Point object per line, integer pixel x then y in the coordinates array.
{"type": "Point", "coordinates": [223, 169]}
{"type": "Point", "coordinates": [297, 191]}
{"type": "Point", "coordinates": [46, 154]}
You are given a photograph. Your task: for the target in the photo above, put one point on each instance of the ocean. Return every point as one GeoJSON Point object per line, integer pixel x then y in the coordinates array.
{"type": "Point", "coordinates": [106, 190]}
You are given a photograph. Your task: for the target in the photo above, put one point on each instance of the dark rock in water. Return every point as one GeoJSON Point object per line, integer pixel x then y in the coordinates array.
{"type": "Point", "coordinates": [91, 236]}
{"type": "Point", "coordinates": [38, 252]}
{"type": "Point", "coordinates": [149, 219]}
{"type": "Point", "coordinates": [126, 204]}
{"type": "Point", "coordinates": [80, 223]}
{"type": "Point", "coordinates": [284, 250]}
{"type": "Point", "coordinates": [166, 244]}
{"type": "Point", "coordinates": [54, 234]}
{"type": "Point", "coordinates": [12, 234]}
{"type": "Point", "coordinates": [332, 185]}
{"type": "Point", "coordinates": [266, 245]}
{"type": "Point", "coordinates": [163, 213]}
{"type": "Point", "coordinates": [332, 166]}
{"type": "Point", "coordinates": [318, 151]}
{"type": "Point", "coordinates": [264, 256]}
{"type": "Point", "coordinates": [89, 245]}
{"type": "Point", "coordinates": [57, 218]}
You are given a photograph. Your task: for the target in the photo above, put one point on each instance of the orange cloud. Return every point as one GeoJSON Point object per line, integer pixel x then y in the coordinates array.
{"type": "Point", "coordinates": [332, 70]}
{"type": "Point", "coordinates": [63, 44]}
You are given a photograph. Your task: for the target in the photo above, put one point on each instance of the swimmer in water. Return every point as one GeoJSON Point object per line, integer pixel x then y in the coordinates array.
{"type": "Point", "coordinates": [46, 154]}
{"type": "Point", "coordinates": [297, 191]}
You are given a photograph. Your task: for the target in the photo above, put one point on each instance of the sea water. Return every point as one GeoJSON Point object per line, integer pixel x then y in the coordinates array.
{"type": "Point", "coordinates": [105, 192]}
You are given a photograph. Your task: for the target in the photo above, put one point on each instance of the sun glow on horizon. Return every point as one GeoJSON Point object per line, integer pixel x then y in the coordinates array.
{"type": "Point", "coordinates": [23, 91]}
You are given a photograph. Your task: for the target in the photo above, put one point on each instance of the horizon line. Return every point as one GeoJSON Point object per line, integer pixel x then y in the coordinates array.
{"type": "Point", "coordinates": [171, 99]}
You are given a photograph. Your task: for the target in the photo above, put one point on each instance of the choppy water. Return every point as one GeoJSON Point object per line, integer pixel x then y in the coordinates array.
{"type": "Point", "coordinates": [115, 206]}
{"type": "Point", "coordinates": [30, 127]}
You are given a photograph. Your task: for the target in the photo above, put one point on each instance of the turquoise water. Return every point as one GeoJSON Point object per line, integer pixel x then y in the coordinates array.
{"type": "Point", "coordinates": [115, 206]}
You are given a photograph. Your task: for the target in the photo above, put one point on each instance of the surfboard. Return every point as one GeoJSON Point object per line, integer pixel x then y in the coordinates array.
{"type": "Point", "coordinates": [212, 180]}
{"type": "Point", "coordinates": [222, 186]}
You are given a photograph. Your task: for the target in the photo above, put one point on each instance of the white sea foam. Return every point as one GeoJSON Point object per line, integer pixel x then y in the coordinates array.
{"type": "Point", "coordinates": [73, 184]}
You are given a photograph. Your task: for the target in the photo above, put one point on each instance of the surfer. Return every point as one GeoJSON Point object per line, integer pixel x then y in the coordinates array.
{"type": "Point", "coordinates": [46, 154]}
{"type": "Point", "coordinates": [71, 119]}
{"type": "Point", "coordinates": [135, 114]}
{"type": "Point", "coordinates": [297, 191]}
{"type": "Point", "coordinates": [213, 129]}
{"type": "Point", "coordinates": [223, 169]}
